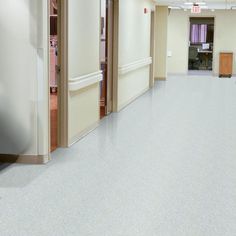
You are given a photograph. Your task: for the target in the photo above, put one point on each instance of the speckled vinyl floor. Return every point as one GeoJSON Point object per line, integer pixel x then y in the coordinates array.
{"type": "Point", "coordinates": [163, 166]}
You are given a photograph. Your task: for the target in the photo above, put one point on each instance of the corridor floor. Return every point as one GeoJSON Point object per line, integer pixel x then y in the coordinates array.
{"type": "Point", "coordinates": [163, 166]}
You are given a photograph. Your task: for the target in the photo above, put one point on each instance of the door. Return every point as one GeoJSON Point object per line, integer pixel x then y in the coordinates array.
{"type": "Point", "coordinates": [152, 49]}
{"type": "Point", "coordinates": [58, 74]}
{"type": "Point", "coordinates": [54, 51]}
{"type": "Point", "coordinates": [226, 64]}
{"type": "Point", "coordinates": [106, 57]}
{"type": "Point", "coordinates": [110, 53]}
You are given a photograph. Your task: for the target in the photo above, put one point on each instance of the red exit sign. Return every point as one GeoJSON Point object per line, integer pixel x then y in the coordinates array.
{"type": "Point", "coordinates": [196, 9]}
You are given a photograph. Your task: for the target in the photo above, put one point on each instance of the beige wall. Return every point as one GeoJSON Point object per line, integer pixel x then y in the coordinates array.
{"type": "Point", "coordinates": [83, 59]}
{"type": "Point", "coordinates": [84, 105]}
{"type": "Point", "coordinates": [161, 26]}
{"type": "Point", "coordinates": [83, 38]}
{"type": "Point", "coordinates": [178, 31]}
{"type": "Point", "coordinates": [26, 48]}
{"type": "Point", "coordinates": [134, 45]}
{"type": "Point", "coordinates": [178, 37]}
{"type": "Point", "coordinates": [225, 36]}
{"type": "Point", "coordinates": [24, 77]}
{"type": "Point", "coordinates": [132, 85]}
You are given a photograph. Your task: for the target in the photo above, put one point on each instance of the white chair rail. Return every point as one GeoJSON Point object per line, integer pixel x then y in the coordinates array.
{"type": "Point", "coordinates": [84, 81]}
{"type": "Point", "coordinates": [135, 65]}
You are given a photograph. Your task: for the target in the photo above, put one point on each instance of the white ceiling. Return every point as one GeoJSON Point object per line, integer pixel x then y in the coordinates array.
{"type": "Point", "coordinates": [211, 4]}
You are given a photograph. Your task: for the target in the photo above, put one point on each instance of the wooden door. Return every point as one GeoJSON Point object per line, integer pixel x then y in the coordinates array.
{"type": "Point", "coordinates": [109, 55]}
{"type": "Point", "coordinates": [152, 49]}
{"type": "Point", "coordinates": [107, 62]}
{"type": "Point", "coordinates": [59, 78]}
{"type": "Point", "coordinates": [226, 64]}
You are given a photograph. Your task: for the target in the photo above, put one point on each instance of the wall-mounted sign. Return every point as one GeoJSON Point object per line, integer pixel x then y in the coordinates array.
{"type": "Point", "coordinates": [196, 9]}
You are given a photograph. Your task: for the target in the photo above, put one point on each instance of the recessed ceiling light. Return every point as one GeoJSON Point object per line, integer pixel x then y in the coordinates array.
{"type": "Point", "coordinates": [174, 7]}
{"type": "Point", "coordinates": [188, 3]}
{"type": "Point", "coordinates": [195, 3]}
{"type": "Point", "coordinates": [204, 7]}
{"type": "Point", "coordinates": [200, 3]}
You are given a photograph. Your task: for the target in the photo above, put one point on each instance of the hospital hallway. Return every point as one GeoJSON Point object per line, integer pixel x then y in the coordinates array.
{"type": "Point", "coordinates": [163, 166]}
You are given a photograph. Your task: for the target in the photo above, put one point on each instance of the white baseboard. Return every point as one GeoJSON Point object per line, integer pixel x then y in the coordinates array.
{"type": "Point", "coordinates": [25, 159]}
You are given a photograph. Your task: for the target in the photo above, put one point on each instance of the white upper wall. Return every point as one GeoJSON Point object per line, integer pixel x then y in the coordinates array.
{"type": "Point", "coordinates": [178, 38]}
{"type": "Point", "coordinates": [83, 36]}
{"type": "Point", "coordinates": [134, 45]}
{"type": "Point", "coordinates": [83, 59]}
{"type": "Point", "coordinates": [134, 30]}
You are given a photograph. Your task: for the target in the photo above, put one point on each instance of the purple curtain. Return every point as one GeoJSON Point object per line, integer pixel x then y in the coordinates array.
{"type": "Point", "coordinates": [203, 33]}
{"type": "Point", "coordinates": [199, 33]}
{"type": "Point", "coordinates": [194, 34]}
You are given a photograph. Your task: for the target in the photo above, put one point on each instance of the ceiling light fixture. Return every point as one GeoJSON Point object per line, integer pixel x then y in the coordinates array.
{"type": "Point", "coordinates": [188, 3]}
{"type": "Point", "coordinates": [175, 7]}
{"type": "Point", "coordinates": [204, 7]}
{"type": "Point", "coordinates": [200, 3]}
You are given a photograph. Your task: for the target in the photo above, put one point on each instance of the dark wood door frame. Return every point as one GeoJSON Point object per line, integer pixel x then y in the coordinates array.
{"type": "Point", "coordinates": [62, 75]}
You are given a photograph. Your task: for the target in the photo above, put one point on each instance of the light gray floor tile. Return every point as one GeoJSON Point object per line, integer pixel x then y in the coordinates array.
{"type": "Point", "coordinates": [163, 166]}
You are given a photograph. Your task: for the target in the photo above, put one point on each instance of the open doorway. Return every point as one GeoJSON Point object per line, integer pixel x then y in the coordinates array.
{"type": "Point", "coordinates": [152, 49]}
{"type": "Point", "coordinates": [53, 75]}
{"type": "Point", "coordinates": [201, 45]}
{"type": "Point", "coordinates": [58, 56]}
{"type": "Point", "coordinates": [106, 56]}
{"type": "Point", "coordinates": [58, 78]}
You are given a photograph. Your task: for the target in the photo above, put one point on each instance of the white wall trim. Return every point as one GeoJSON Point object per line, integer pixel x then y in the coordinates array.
{"type": "Point", "coordinates": [135, 65]}
{"type": "Point", "coordinates": [85, 81]}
